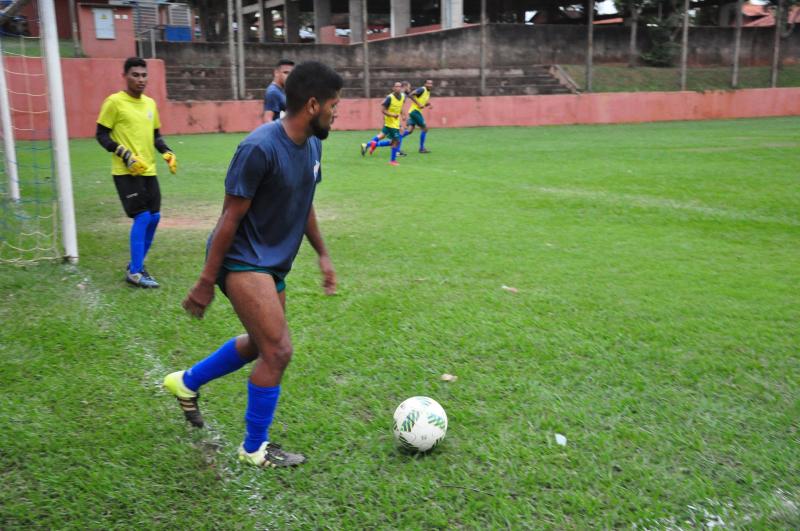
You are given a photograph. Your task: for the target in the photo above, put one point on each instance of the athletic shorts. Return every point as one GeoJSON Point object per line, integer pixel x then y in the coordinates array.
{"type": "Point", "coordinates": [232, 266]}
{"type": "Point", "coordinates": [391, 133]}
{"type": "Point", "coordinates": [415, 118]}
{"type": "Point", "coordinates": [138, 193]}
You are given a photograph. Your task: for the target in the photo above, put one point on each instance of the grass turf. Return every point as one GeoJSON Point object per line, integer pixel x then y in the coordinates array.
{"type": "Point", "coordinates": [620, 78]}
{"type": "Point", "coordinates": [655, 326]}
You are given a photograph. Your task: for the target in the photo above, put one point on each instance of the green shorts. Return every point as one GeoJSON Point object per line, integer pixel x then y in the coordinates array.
{"type": "Point", "coordinates": [391, 133]}
{"type": "Point", "coordinates": [415, 118]}
{"type": "Point", "coordinates": [231, 266]}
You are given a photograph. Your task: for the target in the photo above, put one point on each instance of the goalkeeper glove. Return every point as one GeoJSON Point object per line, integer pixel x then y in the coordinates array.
{"type": "Point", "coordinates": [172, 161]}
{"type": "Point", "coordinates": [135, 166]}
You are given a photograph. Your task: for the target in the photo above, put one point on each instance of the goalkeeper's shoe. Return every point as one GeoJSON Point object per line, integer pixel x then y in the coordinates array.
{"type": "Point", "coordinates": [141, 280]}
{"type": "Point", "coordinates": [186, 398]}
{"type": "Point", "coordinates": [270, 455]}
{"type": "Point", "coordinates": [363, 149]}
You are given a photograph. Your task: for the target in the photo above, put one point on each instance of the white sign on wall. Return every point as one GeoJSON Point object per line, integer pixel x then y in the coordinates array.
{"type": "Point", "coordinates": [103, 23]}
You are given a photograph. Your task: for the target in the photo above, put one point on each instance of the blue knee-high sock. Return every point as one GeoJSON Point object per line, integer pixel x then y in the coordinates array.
{"type": "Point", "coordinates": [400, 144]}
{"type": "Point", "coordinates": [407, 132]}
{"type": "Point", "coordinates": [224, 361]}
{"type": "Point", "coordinates": [138, 231]}
{"type": "Point", "coordinates": [374, 139]}
{"type": "Point", "coordinates": [422, 139]}
{"type": "Point", "coordinates": [394, 153]}
{"type": "Point", "coordinates": [385, 142]}
{"type": "Point", "coordinates": [261, 404]}
{"type": "Point", "coordinates": [151, 231]}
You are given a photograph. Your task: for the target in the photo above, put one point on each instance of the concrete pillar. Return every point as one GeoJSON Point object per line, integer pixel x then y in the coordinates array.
{"type": "Point", "coordinates": [322, 16]}
{"type": "Point", "coordinates": [400, 17]}
{"type": "Point", "coordinates": [452, 13]}
{"type": "Point", "coordinates": [291, 21]}
{"type": "Point", "coordinates": [262, 22]}
{"type": "Point", "coordinates": [356, 20]}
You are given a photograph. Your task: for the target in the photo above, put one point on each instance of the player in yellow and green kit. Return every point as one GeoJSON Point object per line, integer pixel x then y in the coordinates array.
{"type": "Point", "coordinates": [419, 100]}
{"type": "Point", "coordinates": [392, 108]}
{"type": "Point", "coordinates": [128, 126]}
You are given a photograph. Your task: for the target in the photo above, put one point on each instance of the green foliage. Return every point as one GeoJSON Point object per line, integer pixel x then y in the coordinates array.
{"type": "Point", "coordinates": [663, 49]}
{"type": "Point", "coordinates": [655, 326]}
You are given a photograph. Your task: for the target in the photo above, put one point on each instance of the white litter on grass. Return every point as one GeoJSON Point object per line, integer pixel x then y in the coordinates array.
{"type": "Point", "coordinates": [561, 440]}
{"type": "Point", "coordinates": [509, 288]}
{"type": "Point", "coordinates": [448, 377]}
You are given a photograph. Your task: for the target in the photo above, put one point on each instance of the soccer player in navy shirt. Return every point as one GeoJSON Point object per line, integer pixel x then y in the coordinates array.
{"type": "Point", "coordinates": [268, 208]}
{"type": "Point", "coordinates": [275, 95]}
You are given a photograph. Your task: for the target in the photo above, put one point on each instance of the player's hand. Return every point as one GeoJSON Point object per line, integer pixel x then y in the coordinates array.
{"type": "Point", "coordinates": [328, 275]}
{"type": "Point", "coordinates": [134, 165]}
{"type": "Point", "coordinates": [198, 299]}
{"type": "Point", "coordinates": [172, 161]}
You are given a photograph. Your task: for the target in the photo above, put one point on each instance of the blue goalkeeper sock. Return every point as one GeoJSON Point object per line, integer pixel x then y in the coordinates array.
{"type": "Point", "coordinates": [224, 361]}
{"type": "Point", "coordinates": [422, 139]}
{"type": "Point", "coordinates": [394, 153]}
{"type": "Point", "coordinates": [151, 232]}
{"type": "Point", "coordinates": [385, 142]}
{"type": "Point", "coordinates": [138, 232]}
{"type": "Point", "coordinates": [261, 404]}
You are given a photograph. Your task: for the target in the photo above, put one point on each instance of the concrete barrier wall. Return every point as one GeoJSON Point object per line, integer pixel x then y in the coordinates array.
{"type": "Point", "coordinates": [508, 44]}
{"type": "Point", "coordinates": [607, 108]}
{"type": "Point", "coordinates": [87, 82]}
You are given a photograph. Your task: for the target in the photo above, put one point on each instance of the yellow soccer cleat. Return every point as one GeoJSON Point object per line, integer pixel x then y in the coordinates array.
{"type": "Point", "coordinates": [186, 398]}
{"type": "Point", "coordinates": [270, 455]}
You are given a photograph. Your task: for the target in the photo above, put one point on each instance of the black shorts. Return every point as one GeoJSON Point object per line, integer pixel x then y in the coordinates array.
{"type": "Point", "coordinates": [138, 193]}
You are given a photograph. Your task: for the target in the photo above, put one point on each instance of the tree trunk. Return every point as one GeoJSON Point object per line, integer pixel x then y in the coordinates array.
{"type": "Point", "coordinates": [589, 43]}
{"type": "Point", "coordinates": [737, 45]}
{"type": "Point", "coordinates": [776, 45]}
{"type": "Point", "coordinates": [633, 53]}
{"type": "Point", "coordinates": [685, 44]}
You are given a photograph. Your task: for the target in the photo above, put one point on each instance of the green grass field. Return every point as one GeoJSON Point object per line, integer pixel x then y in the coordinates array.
{"type": "Point", "coordinates": [655, 325]}
{"type": "Point", "coordinates": [620, 78]}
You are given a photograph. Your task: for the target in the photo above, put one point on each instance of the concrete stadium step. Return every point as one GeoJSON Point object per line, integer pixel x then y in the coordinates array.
{"type": "Point", "coordinates": [200, 82]}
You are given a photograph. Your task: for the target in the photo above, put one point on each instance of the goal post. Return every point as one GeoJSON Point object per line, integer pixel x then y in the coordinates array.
{"type": "Point", "coordinates": [58, 124]}
{"type": "Point", "coordinates": [37, 212]}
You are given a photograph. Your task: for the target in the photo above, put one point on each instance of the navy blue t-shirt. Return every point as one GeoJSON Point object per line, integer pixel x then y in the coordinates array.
{"type": "Point", "coordinates": [274, 99]}
{"type": "Point", "coordinates": [280, 178]}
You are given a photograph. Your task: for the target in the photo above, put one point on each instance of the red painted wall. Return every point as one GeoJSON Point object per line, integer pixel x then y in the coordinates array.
{"type": "Point", "coordinates": [31, 12]}
{"type": "Point", "coordinates": [124, 43]}
{"type": "Point", "coordinates": [88, 81]}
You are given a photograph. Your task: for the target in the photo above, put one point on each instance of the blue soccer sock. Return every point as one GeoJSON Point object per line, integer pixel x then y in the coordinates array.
{"type": "Point", "coordinates": [261, 404]}
{"type": "Point", "coordinates": [385, 142]}
{"type": "Point", "coordinates": [374, 139]}
{"type": "Point", "coordinates": [151, 232]}
{"type": "Point", "coordinates": [224, 361]}
{"type": "Point", "coordinates": [422, 139]}
{"type": "Point", "coordinates": [406, 133]}
{"type": "Point", "coordinates": [138, 232]}
{"type": "Point", "coordinates": [394, 153]}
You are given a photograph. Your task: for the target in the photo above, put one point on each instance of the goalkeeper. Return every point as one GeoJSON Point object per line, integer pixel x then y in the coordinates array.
{"type": "Point", "coordinates": [128, 126]}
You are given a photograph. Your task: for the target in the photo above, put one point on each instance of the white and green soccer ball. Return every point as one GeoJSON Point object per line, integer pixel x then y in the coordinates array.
{"type": "Point", "coordinates": [420, 424]}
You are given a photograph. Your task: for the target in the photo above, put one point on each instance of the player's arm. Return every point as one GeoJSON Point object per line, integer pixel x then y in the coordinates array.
{"type": "Point", "coordinates": [103, 136]}
{"type": "Point", "coordinates": [166, 152]}
{"type": "Point", "coordinates": [272, 107]}
{"type": "Point", "coordinates": [325, 264]}
{"type": "Point", "coordinates": [385, 109]}
{"type": "Point", "coordinates": [202, 293]}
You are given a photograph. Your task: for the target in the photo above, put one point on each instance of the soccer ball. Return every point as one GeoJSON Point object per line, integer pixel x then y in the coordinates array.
{"type": "Point", "coordinates": [420, 424]}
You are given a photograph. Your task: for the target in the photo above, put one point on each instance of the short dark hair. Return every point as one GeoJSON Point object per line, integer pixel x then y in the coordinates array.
{"type": "Point", "coordinates": [311, 79]}
{"type": "Point", "coordinates": [131, 62]}
{"type": "Point", "coordinates": [284, 62]}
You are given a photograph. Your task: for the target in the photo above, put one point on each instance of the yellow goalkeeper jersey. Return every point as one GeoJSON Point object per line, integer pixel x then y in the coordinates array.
{"type": "Point", "coordinates": [132, 122]}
